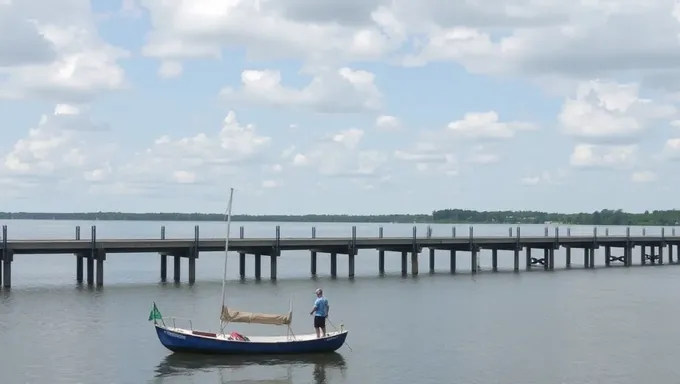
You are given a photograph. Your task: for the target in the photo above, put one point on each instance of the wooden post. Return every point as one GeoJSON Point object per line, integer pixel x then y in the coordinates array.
{"type": "Point", "coordinates": [193, 255]}
{"type": "Point", "coordinates": [662, 245]}
{"type": "Point", "coordinates": [381, 254]}
{"type": "Point", "coordinates": [7, 258]}
{"type": "Point", "coordinates": [79, 260]}
{"type": "Point", "coordinates": [258, 267]}
{"type": "Point", "coordinates": [101, 257]}
{"type": "Point", "coordinates": [607, 255]}
{"type": "Point", "coordinates": [351, 253]}
{"type": "Point", "coordinates": [629, 249]}
{"type": "Point", "coordinates": [241, 257]}
{"type": "Point", "coordinates": [546, 258]}
{"type": "Point", "coordinates": [404, 257]}
{"type": "Point", "coordinates": [192, 269]}
{"type": "Point", "coordinates": [528, 257]}
{"type": "Point", "coordinates": [334, 265]}
{"type": "Point", "coordinates": [273, 260]}
{"type": "Point", "coordinates": [518, 247]}
{"type": "Point", "coordinates": [568, 257]}
{"type": "Point", "coordinates": [3, 250]}
{"type": "Point", "coordinates": [414, 253]}
{"type": "Point", "coordinates": [670, 253]}
{"type": "Point", "coordinates": [473, 251]}
{"type": "Point", "coordinates": [452, 261]}
{"type": "Point", "coordinates": [91, 255]}
{"type": "Point", "coordinates": [494, 259]}
{"type": "Point", "coordinates": [164, 259]}
{"type": "Point", "coordinates": [432, 250]}
{"type": "Point", "coordinates": [272, 267]}
{"type": "Point", "coordinates": [177, 267]}
{"type": "Point", "coordinates": [312, 256]}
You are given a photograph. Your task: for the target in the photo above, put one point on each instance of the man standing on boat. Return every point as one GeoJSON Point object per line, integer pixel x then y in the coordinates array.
{"type": "Point", "coordinates": [320, 312]}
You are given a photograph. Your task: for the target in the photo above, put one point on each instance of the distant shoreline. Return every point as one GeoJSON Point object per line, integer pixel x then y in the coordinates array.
{"type": "Point", "coordinates": [447, 216]}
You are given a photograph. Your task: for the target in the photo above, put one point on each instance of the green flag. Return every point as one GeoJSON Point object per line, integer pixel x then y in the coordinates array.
{"type": "Point", "coordinates": [155, 314]}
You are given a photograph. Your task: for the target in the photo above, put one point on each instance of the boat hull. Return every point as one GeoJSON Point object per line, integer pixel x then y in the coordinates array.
{"type": "Point", "coordinates": [190, 343]}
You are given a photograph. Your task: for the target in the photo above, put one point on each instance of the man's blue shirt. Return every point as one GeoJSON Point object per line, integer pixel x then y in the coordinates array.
{"type": "Point", "coordinates": [321, 305]}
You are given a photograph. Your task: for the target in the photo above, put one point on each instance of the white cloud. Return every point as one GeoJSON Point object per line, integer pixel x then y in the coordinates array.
{"type": "Point", "coordinates": [60, 145]}
{"type": "Point", "coordinates": [546, 177]}
{"type": "Point", "coordinates": [643, 177]}
{"type": "Point", "coordinates": [671, 149]}
{"type": "Point", "coordinates": [62, 58]}
{"type": "Point", "coordinates": [485, 126]}
{"type": "Point", "coordinates": [603, 156]}
{"type": "Point", "coordinates": [170, 69]}
{"type": "Point", "coordinates": [20, 40]}
{"type": "Point", "coordinates": [606, 112]}
{"type": "Point", "coordinates": [330, 91]}
{"type": "Point", "coordinates": [543, 39]}
{"type": "Point", "coordinates": [469, 139]}
{"type": "Point", "coordinates": [386, 122]}
{"type": "Point", "coordinates": [188, 160]}
{"type": "Point", "coordinates": [269, 184]}
{"type": "Point", "coordinates": [269, 29]}
{"type": "Point", "coordinates": [341, 155]}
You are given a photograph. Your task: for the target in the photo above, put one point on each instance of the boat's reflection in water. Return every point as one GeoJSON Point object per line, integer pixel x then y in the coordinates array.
{"type": "Point", "coordinates": [181, 364]}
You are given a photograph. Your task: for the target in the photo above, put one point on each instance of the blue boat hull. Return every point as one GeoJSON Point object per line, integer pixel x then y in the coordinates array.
{"type": "Point", "coordinates": [182, 342]}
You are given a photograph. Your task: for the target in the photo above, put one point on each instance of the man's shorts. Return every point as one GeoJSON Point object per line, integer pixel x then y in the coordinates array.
{"type": "Point", "coordinates": [319, 322]}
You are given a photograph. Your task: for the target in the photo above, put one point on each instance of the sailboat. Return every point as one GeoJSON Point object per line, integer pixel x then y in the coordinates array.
{"type": "Point", "coordinates": [179, 339]}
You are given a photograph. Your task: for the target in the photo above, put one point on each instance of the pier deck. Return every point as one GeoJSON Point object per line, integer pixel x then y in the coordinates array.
{"type": "Point", "coordinates": [94, 251]}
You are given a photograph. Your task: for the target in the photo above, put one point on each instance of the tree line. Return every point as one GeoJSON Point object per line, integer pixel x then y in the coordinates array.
{"type": "Point", "coordinates": [603, 217]}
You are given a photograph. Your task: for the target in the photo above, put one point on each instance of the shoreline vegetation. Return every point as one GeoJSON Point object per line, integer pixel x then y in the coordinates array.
{"type": "Point", "coordinates": [446, 216]}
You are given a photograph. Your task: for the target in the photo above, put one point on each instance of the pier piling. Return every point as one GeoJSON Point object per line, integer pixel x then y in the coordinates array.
{"type": "Point", "coordinates": [381, 254]}
{"type": "Point", "coordinates": [273, 260]}
{"type": "Point", "coordinates": [351, 253]}
{"type": "Point", "coordinates": [79, 260]}
{"type": "Point", "coordinates": [100, 258]}
{"type": "Point", "coordinates": [176, 268]}
{"type": "Point", "coordinates": [164, 259]}
{"type": "Point", "coordinates": [242, 256]}
{"type": "Point", "coordinates": [7, 258]}
{"type": "Point", "coordinates": [414, 253]}
{"type": "Point", "coordinates": [91, 255]}
{"type": "Point", "coordinates": [258, 266]}
{"type": "Point", "coordinates": [334, 265]}
{"type": "Point", "coordinates": [193, 255]}
{"type": "Point", "coordinates": [312, 256]}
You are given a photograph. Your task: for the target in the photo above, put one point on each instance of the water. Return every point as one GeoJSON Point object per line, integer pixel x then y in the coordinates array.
{"type": "Point", "coordinates": [577, 326]}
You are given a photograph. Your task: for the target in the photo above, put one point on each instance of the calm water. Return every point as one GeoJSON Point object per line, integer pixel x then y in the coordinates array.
{"type": "Point", "coordinates": [578, 326]}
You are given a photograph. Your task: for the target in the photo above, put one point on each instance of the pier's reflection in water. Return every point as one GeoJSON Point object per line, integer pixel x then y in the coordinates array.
{"type": "Point", "coordinates": [324, 369]}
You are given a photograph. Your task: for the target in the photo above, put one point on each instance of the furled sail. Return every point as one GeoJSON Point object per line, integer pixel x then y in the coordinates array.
{"type": "Point", "coordinates": [233, 316]}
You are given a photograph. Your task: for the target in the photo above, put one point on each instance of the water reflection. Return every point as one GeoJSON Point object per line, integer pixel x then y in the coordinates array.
{"type": "Point", "coordinates": [179, 364]}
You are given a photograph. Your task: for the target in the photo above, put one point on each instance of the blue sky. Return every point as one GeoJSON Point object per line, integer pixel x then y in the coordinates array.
{"type": "Point", "coordinates": [350, 107]}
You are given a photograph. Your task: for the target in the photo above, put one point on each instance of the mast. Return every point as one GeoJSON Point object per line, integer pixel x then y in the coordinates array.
{"type": "Point", "coordinates": [226, 251]}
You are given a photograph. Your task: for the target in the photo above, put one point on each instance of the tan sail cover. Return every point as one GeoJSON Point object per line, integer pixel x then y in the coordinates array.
{"type": "Point", "coordinates": [233, 316]}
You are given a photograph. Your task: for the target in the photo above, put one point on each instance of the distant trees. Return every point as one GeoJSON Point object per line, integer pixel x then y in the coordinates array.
{"type": "Point", "coordinates": [603, 217]}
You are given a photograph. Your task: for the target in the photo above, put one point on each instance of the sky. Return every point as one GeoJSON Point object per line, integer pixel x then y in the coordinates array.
{"type": "Point", "coordinates": [339, 106]}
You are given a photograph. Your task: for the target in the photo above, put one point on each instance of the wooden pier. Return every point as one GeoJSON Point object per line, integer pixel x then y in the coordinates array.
{"type": "Point", "coordinates": [93, 252]}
